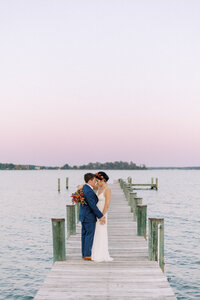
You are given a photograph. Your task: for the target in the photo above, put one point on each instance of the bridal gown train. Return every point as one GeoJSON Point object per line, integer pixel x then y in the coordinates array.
{"type": "Point", "coordinates": [100, 244]}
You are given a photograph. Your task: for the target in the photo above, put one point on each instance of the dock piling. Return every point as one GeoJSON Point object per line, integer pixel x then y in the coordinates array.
{"type": "Point", "coordinates": [141, 220]}
{"type": "Point", "coordinates": [67, 183]}
{"type": "Point", "coordinates": [129, 191]}
{"type": "Point", "coordinates": [71, 220]}
{"type": "Point", "coordinates": [136, 201]}
{"type": "Point", "coordinates": [132, 196]}
{"type": "Point", "coordinates": [156, 183]}
{"type": "Point", "coordinates": [122, 182]}
{"type": "Point", "coordinates": [126, 190]}
{"type": "Point", "coordinates": [58, 184]}
{"type": "Point", "coordinates": [58, 230]}
{"type": "Point", "coordinates": [77, 212]}
{"type": "Point", "coordinates": [156, 241]}
{"type": "Point", "coordinates": [129, 180]}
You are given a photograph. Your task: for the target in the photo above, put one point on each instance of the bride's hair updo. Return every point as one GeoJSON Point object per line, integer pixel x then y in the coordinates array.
{"type": "Point", "coordinates": [102, 176]}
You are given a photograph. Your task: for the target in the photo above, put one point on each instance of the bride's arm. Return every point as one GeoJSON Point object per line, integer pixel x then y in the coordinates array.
{"type": "Point", "coordinates": [79, 187]}
{"type": "Point", "coordinates": [107, 200]}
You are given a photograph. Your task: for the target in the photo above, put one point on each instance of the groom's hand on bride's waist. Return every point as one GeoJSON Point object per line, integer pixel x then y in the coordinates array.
{"type": "Point", "coordinates": [102, 220]}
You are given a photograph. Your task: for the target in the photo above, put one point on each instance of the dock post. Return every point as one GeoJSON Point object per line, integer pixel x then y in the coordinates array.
{"type": "Point", "coordinates": [130, 190]}
{"type": "Point", "coordinates": [124, 186]}
{"type": "Point", "coordinates": [129, 180]}
{"type": "Point", "coordinates": [132, 196]}
{"type": "Point", "coordinates": [127, 187]}
{"type": "Point", "coordinates": [156, 241]}
{"type": "Point", "coordinates": [67, 183]}
{"type": "Point", "coordinates": [141, 220]}
{"type": "Point", "coordinates": [71, 220]}
{"type": "Point", "coordinates": [58, 230]}
{"type": "Point", "coordinates": [156, 183]}
{"type": "Point", "coordinates": [120, 182]}
{"type": "Point", "coordinates": [152, 184]}
{"type": "Point", "coordinates": [58, 184]}
{"type": "Point", "coordinates": [123, 183]}
{"type": "Point", "coordinates": [77, 211]}
{"type": "Point", "coordinates": [136, 201]}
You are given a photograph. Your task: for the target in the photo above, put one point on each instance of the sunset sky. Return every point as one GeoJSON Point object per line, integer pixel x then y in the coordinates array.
{"type": "Point", "coordinates": [100, 81]}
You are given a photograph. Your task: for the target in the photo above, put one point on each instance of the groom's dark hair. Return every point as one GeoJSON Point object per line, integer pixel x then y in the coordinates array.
{"type": "Point", "coordinates": [88, 176]}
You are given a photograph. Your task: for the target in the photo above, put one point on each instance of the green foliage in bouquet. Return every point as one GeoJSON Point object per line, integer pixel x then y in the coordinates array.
{"type": "Point", "coordinates": [78, 197]}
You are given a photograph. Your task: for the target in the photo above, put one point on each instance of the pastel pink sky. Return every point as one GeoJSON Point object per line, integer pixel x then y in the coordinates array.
{"type": "Point", "coordinates": [100, 81]}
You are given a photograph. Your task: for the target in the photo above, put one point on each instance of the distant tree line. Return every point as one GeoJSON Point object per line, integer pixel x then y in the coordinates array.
{"type": "Point", "coordinates": [117, 165]}
{"type": "Point", "coordinates": [17, 167]}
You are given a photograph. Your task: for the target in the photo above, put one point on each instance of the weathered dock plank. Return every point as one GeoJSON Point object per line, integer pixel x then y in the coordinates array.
{"type": "Point", "coordinates": [130, 276]}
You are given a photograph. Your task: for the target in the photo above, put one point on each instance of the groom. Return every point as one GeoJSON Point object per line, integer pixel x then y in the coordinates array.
{"type": "Point", "coordinates": [88, 215]}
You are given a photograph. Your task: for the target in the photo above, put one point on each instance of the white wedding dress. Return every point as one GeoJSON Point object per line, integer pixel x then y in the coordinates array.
{"type": "Point", "coordinates": [100, 244]}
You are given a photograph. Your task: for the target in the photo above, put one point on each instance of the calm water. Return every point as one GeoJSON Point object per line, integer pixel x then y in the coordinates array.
{"type": "Point", "coordinates": [29, 199]}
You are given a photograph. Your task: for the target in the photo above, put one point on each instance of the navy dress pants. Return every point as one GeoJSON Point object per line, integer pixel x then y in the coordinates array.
{"type": "Point", "coordinates": [88, 230]}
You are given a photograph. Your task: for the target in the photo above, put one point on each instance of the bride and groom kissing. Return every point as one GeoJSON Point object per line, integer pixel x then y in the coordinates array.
{"type": "Point", "coordinates": [93, 217]}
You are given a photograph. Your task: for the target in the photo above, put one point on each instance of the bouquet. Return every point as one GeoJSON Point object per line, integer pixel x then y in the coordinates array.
{"type": "Point", "coordinates": [78, 197]}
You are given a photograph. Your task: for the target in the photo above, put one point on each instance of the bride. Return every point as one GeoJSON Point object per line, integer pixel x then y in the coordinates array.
{"type": "Point", "coordinates": [100, 244]}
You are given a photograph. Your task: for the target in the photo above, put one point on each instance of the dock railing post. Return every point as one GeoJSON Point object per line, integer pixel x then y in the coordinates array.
{"type": "Point", "coordinates": [156, 241]}
{"type": "Point", "coordinates": [129, 180]}
{"type": "Point", "coordinates": [136, 201]}
{"type": "Point", "coordinates": [152, 183]}
{"type": "Point", "coordinates": [58, 231]}
{"type": "Point", "coordinates": [67, 183]}
{"type": "Point", "coordinates": [127, 187]}
{"type": "Point", "coordinates": [58, 184]}
{"type": "Point", "coordinates": [124, 187]}
{"type": "Point", "coordinates": [122, 184]}
{"type": "Point", "coordinates": [156, 183]}
{"type": "Point", "coordinates": [132, 196]}
{"type": "Point", "coordinates": [71, 219]}
{"type": "Point", "coordinates": [77, 211]}
{"type": "Point", "coordinates": [141, 220]}
{"type": "Point", "coordinates": [130, 190]}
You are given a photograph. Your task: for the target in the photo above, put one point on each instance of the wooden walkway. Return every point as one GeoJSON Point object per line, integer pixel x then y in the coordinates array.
{"type": "Point", "coordinates": [130, 276]}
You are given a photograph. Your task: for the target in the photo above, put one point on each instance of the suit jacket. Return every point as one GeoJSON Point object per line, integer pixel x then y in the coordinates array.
{"type": "Point", "coordinates": [90, 212]}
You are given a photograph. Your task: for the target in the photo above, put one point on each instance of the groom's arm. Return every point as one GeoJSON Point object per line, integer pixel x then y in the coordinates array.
{"type": "Point", "coordinates": [90, 198]}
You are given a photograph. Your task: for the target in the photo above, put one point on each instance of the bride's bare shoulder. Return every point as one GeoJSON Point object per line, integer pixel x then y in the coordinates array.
{"type": "Point", "coordinates": [108, 190]}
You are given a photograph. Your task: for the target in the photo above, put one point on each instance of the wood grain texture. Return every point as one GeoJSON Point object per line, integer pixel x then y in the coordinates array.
{"type": "Point", "coordinates": [130, 276]}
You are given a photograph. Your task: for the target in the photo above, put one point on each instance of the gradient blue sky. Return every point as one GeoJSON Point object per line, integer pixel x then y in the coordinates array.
{"type": "Point", "coordinates": [101, 81]}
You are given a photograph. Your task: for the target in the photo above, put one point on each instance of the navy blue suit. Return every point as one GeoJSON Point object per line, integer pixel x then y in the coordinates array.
{"type": "Point", "coordinates": [88, 216]}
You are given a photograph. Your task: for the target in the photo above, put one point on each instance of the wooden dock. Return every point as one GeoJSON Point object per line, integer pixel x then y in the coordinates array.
{"type": "Point", "coordinates": [130, 276]}
{"type": "Point", "coordinates": [152, 186]}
